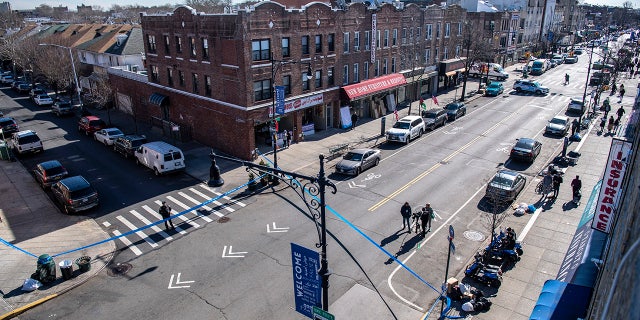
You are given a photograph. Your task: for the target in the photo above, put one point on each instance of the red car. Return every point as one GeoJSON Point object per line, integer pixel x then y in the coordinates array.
{"type": "Point", "coordinates": [90, 124]}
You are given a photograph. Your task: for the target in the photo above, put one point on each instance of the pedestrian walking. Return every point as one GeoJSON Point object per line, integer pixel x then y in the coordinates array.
{"type": "Point", "coordinates": [606, 107]}
{"type": "Point", "coordinates": [165, 212]}
{"type": "Point", "coordinates": [288, 137]}
{"type": "Point", "coordinates": [547, 184]}
{"type": "Point", "coordinates": [557, 181]}
{"type": "Point", "coordinates": [620, 112]}
{"type": "Point", "coordinates": [576, 184]}
{"type": "Point", "coordinates": [611, 124]}
{"type": "Point", "coordinates": [354, 120]}
{"type": "Point", "coordinates": [574, 126]}
{"type": "Point", "coordinates": [425, 218]}
{"type": "Point", "coordinates": [406, 216]}
{"type": "Point", "coordinates": [565, 145]}
{"type": "Point", "coordinates": [603, 122]}
{"type": "Point", "coordinates": [621, 93]}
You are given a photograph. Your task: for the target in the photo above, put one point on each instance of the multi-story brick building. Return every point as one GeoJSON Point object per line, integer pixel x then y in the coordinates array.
{"type": "Point", "coordinates": [212, 75]}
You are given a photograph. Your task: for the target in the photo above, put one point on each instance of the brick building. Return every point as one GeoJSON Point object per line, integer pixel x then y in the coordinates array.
{"type": "Point", "coordinates": [212, 75]}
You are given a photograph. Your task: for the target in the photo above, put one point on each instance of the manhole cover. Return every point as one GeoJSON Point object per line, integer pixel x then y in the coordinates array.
{"type": "Point", "coordinates": [474, 235]}
{"type": "Point", "coordinates": [223, 220]}
{"type": "Point", "coordinates": [119, 269]}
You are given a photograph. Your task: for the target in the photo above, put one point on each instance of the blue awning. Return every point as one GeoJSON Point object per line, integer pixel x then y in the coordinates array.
{"type": "Point", "coordinates": [158, 99]}
{"type": "Point", "coordinates": [561, 301]}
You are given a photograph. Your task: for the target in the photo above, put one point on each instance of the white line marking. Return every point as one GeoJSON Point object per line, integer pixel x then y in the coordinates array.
{"type": "Point", "coordinates": [139, 233]}
{"type": "Point", "coordinates": [526, 229]}
{"type": "Point", "coordinates": [154, 228]}
{"type": "Point", "coordinates": [184, 206]}
{"type": "Point", "coordinates": [205, 218]}
{"type": "Point", "coordinates": [106, 224]}
{"type": "Point", "coordinates": [127, 243]}
{"type": "Point", "coordinates": [157, 216]}
{"type": "Point", "coordinates": [239, 203]}
{"type": "Point", "coordinates": [216, 202]}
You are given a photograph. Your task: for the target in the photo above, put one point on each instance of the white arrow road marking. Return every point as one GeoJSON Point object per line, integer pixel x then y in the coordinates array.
{"type": "Point", "coordinates": [231, 254]}
{"type": "Point", "coordinates": [276, 229]}
{"type": "Point", "coordinates": [178, 282]}
{"type": "Point", "coordinates": [352, 184]}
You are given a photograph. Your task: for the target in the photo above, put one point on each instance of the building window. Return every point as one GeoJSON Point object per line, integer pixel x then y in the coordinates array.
{"type": "Point", "coordinates": [332, 42]}
{"type": "Point", "coordinates": [345, 42]}
{"type": "Point", "coordinates": [170, 76]}
{"type": "Point", "coordinates": [345, 74]}
{"type": "Point", "coordinates": [205, 48]}
{"type": "Point", "coordinates": [376, 71]}
{"type": "Point", "coordinates": [151, 42]}
{"type": "Point", "coordinates": [305, 82]}
{"type": "Point", "coordinates": [192, 46]}
{"type": "Point", "coordinates": [410, 35]}
{"type": "Point", "coordinates": [394, 39]}
{"type": "Point", "coordinates": [305, 44]}
{"type": "Point", "coordinates": [460, 28]}
{"type": "Point", "coordinates": [418, 30]}
{"type": "Point", "coordinates": [393, 65]}
{"type": "Point", "coordinates": [154, 73]}
{"type": "Point", "coordinates": [166, 45]}
{"type": "Point", "coordinates": [330, 80]}
{"type": "Point", "coordinates": [447, 30]}
{"type": "Point", "coordinates": [356, 41]}
{"type": "Point", "coordinates": [435, 56]}
{"type": "Point", "coordinates": [428, 32]}
{"type": "Point", "coordinates": [446, 53]}
{"type": "Point", "coordinates": [260, 50]}
{"type": "Point", "coordinates": [194, 81]}
{"type": "Point", "coordinates": [181, 78]}
{"type": "Point", "coordinates": [404, 35]}
{"type": "Point", "coordinates": [457, 50]}
{"type": "Point", "coordinates": [318, 43]}
{"type": "Point", "coordinates": [366, 70]}
{"type": "Point", "coordinates": [207, 86]}
{"type": "Point", "coordinates": [318, 79]}
{"type": "Point", "coordinates": [367, 40]}
{"type": "Point", "coordinates": [438, 30]}
{"type": "Point", "coordinates": [427, 56]}
{"type": "Point", "coordinates": [286, 49]}
{"type": "Point", "coordinates": [378, 39]}
{"type": "Point", "coordinates": [178, 44]}
{"type": "Point", "coordinates": [386, 38]}
{"type": "Point", "coordinates": [262, 90]}
{"type": "Point", "coordinates": [384, 66]}
{"type": "Point", "coordinates": [356, 72]}
{"type": "Point", "coordinates": [286, 83]}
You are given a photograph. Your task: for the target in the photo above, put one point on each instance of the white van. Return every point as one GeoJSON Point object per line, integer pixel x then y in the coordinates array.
{"type": "Point", "coordinates": [160, 157]}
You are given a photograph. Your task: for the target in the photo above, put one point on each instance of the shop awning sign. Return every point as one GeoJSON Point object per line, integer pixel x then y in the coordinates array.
{"type": "Point", "coordinates": [372, 86]}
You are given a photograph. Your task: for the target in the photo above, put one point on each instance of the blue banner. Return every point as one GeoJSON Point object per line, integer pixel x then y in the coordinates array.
{"type": "Point", "coordinates": [306, 280]}
{"type": "Point", "coordinates": [279, 99]}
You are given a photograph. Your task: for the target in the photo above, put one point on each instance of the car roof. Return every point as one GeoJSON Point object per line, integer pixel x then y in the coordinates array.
{"type": "Point", "coordinates": [410, 118]}
{"type": "Point", "coordinates": [362, 150]}
{"type": "Point", "coordinates": [75, 182]}
{"type": "Point", "coordinates": [133, 137]}
{"type": "Point", "coordinates": [111, 129]}
{"type": "Point", "coordinates": [92, 118]}
{"type": "Point", "coordinates": [50, 164]}
{"type": "Point", "coordinates": [561, 118]}
{"type": "Point", "coordinates": [433, 110]}
{"type": "Point", "coordinates": [526, 140]}
{"type": "Point", "coordinates": [24, 133]}
{"type": "Point", "coordinates": [507, 174]}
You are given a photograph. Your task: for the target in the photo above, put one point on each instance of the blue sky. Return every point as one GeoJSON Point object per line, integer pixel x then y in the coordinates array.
{"type": "Point", "coordinates": [106, 4]}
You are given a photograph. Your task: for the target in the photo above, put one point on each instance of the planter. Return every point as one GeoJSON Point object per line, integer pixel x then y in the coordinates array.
{"type": "Point", "coordinates": [84, 263]}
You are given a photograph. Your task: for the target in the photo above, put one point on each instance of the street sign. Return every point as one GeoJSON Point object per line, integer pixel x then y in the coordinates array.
{"type": "Point", "coordinates": [306, 280]}
{"type": "Point", "coordinates": [279, 99]}
{"type": "Point", "coordinates": [451, 233]}
{"type": "Point", "coordinates": [452, 247]}
{"type": "Point", "coordinates": [319, 314]}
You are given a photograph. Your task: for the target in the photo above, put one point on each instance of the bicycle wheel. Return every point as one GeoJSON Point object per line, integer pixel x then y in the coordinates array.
{"type": "Point", "coordinates": [539, 187]}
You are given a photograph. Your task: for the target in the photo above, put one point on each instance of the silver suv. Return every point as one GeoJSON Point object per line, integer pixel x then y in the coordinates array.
{"type": "Point", "coordinates": [406, 129]}
{"type": "Point", "coordinates": [523, 85]}
{"type": "Point", "coordinates": [26, 141]}
{"type": "Point", "coordinates": [61, 108]}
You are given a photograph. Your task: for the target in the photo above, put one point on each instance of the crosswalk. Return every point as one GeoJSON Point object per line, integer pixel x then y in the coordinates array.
{"type": "Point", "coordinates": [140, 234]}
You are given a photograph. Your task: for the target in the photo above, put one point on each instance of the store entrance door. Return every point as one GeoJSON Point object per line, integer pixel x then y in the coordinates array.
{"type": "Point", "coordinates": [329, 116]}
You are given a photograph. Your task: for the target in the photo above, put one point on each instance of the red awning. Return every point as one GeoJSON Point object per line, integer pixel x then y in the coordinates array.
{"type": "Point", "coordinates": [372, 86]}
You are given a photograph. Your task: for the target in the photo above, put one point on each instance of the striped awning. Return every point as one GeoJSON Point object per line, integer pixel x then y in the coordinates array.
{"type": "Point", "coordinates": [158, 99]}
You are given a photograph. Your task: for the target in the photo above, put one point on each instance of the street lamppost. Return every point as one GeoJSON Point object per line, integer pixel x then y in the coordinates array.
{"type": "Point", "coordinates": [73, 65]}
{"type": "Point", "coordinates": [586, 84]}
{"type": "Point", "coordinates": [309, 192]}
{"type": "Point", "coordinates": [278, 93]}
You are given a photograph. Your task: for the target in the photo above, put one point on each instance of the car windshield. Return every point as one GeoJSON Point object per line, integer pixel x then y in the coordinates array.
{"type": "Point", "coordinates": [113, 132]}
{"type": "Point", "coordinates": [44, 96]}
{"type": "Point", "coordinates": [352, 156]}
{"type": "Point", "coordinates": [137, 143]}
{"type": "Point", "coordinates": [536, 84]}
{"type": "Point", "coordinates": [81, 193]}
{"type": "Point", "coordinates": [501, 181]}
{"type": "Point", "coordinates": [6, 122]}
{"type": "Point", "coordinates": [558, 121]}
{"type": "Point", "coordinates": [28, 139]}
{"type": "Point", "coordinates": [401, 125]}
{"type": "Point", "coordinates": [96, 123]}
{"type": "Point", "coordinates": [494, 86]}
{"type": "Point", "coordinates": [452, 106]}
{"type": "Point", "coordinates": [524, 144]}
{"type": "Point", "coordinates": [55, 170]}
{"type": "Point", "coordinates": [430, 115]}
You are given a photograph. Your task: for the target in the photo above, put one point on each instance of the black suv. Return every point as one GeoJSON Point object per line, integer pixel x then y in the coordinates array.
{"type": "Point", "coordinates": [434, 118]}
{"type": "Point", "coordinates": [49, 172]}
{"type": "Point", "coordinates": [128, 144]}
{"type": "Point", "coordinates": [75, 194]}
{"type": "Point", "coordinates": [8, 127]}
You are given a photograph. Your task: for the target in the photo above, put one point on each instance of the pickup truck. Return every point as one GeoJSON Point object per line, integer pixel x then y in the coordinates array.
{"type": "Point", "coordinates": [61, 108]}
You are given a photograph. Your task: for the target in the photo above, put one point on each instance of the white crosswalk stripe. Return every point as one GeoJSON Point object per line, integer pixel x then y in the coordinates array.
{"type": "Point", "coordinates": [158, 217]}
{"type": "Point", "coordinates": [216, 202]}
{"type": "Point", "coordinates": [196, 202]}
{"type": "Point", "coordinates": [154, 228]}
{"type": "Point", "coordinates": [234, 202]}
{"type": "Point", "coordinates": [181, 217]}
{"type": "Point", "coordinates": [128, 243]}
{"type": "Point", "coordinates": [140, 233]}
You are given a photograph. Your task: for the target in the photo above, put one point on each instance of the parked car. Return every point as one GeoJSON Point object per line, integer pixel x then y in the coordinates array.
{"type": "Point", "coordinates": [8, 126]}
{"type": "Point", "coordinates": [35, 92]}
{"type": "Point", "coordinates": [494, 89]}
{"type": "Point", "coordinates": [505, 186]}
{"type": "Point", "coordinates": [108, 136]}
{"type": "Point", "coordinates": [60, 108]}
{"type": "Point", "coordinates": [524, 85]}
{"type": "Point", "coordinates": [571, 59]}
{"type": "Point", "coordinates": [434, 118]}
{"type": "Point", "coordinates": [559, 125]}
{"type": "Point", "coordinates": [358, 160]}
{"type": "Point", "coordinates": [160, 157]}
{"type": "Point", "coordinates": [49, 172]}
{"type": "Point", "coordinates": [455, 110]}
{"type": "Point", "coordinates": [43, 100]}
{"type": "Point", "coordinates": [6, 79]}
{"type": "Point", "coordinates": [23, 88]}
{"type": "Point", "coordinates": [578, 51]}
{"type": "Point", "coordinates": [576, 105]}
{"type": "Point", "coordinates": [558, 59]}
{"type": "Point", "coordinates": [90, 124]}
{"type": "Point", "coordinates": [526, 149]}
{"type": "Point", "coordinates": [75, 194]}
{"type": "Point", "coordinates": [128, 144]}
{"type": "Point", "coordinates": [406, 129]}
{"type": "Point", "coordinates": [26, 141]}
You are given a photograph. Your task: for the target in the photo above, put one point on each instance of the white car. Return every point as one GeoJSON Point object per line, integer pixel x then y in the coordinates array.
{"type": "Point", "coordinates": [43, 100]}
{"type": "Point", "coordinates": [108, 136]}
{"type": "Point", "coordinates": [559, 125]}
{"type": "Point", "coordinates": [406, 129]}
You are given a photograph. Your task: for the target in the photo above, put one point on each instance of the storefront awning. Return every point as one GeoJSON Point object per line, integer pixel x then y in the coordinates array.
{"type": "Point", "coordinates": [158, 99]}
{"type": "Point", "coordinates": [372, 86]}
{"type": "Point", "coordinates": [560, 300]}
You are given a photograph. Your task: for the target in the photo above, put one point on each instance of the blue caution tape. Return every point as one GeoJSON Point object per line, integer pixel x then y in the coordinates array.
{"type": "Point", "coordinates": [11, 245]}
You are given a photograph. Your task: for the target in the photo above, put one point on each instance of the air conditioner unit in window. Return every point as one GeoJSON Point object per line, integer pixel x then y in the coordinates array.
{"type": "Point", "coordinates": [135, 68]}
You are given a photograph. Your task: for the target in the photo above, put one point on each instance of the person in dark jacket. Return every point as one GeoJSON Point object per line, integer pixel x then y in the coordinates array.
{"type": "Point", "coordinates": [165, 212]}
{"type": "Point", "coordinates": [406, 216]}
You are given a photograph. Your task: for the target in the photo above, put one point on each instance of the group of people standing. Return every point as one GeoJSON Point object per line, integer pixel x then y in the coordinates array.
{"type": "Point", "coordinates": [612, 123]}
{"type": "Point", "coordinates": [422, 218]}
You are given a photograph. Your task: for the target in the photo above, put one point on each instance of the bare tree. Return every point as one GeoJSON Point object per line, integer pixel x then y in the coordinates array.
{"type": "Point", "coordinates": [54, 64]}
{"type": "Point", "coordinates": [101, 91]}
{"type": "Point", "coordinates": [478, 49]}
{"type": "Point", "coordinates": [208, 6]}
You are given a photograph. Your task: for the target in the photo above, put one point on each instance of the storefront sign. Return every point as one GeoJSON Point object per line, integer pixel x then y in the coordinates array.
{"type": "Point", "coordinates": [299, 104]}
{"type": "Point", "coordinates": [611, 184]}
{"type": "Point", "coordinates": [374, 85]}
{"type": "Point", "coordinates": [279, 99]}
{"type": "Point", "coordinates": [374, 37]}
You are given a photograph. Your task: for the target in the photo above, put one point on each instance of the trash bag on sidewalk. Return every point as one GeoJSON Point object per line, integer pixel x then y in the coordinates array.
{"type": "Point", "coordinates": [31, 284]}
